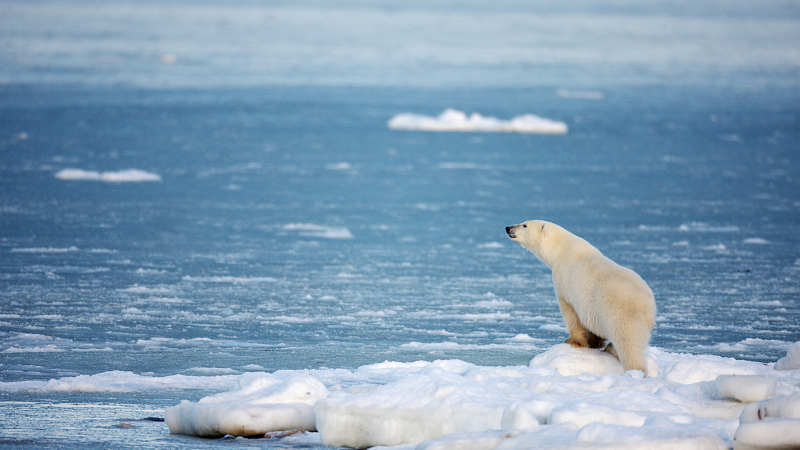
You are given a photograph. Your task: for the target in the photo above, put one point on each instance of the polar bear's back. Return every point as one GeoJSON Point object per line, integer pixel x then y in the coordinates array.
{"type": "Point", "coordinates": [596, 285]}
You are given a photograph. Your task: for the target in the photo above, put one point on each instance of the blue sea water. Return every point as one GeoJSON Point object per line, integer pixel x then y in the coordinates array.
{"type": "Point", "coordinates": [292, 229]}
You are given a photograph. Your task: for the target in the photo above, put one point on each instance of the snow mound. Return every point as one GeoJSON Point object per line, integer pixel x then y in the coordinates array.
{"type": "Point", "coordinates": [746, 388]}
{"type": "Point", "coordinates": [567, 360]}
{"type": "Point", "coordinates": [770, 424]}
{"type": "Point", "coordinates": [565, 398]}
{"type": "Point", "coordinates": [792, 359]}
{"type": "Point", "coordinates": [388, 415]}
{"type": "Point", "coordinates": [260, 404]}
{"type": "Point", "coordinates": [122, 176]}
{"type": "Point", "coordinates": [454, 120]}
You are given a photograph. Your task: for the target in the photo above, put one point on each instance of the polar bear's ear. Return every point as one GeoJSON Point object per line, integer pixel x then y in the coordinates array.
{"type": "Point", "coordinates": [541, 230]}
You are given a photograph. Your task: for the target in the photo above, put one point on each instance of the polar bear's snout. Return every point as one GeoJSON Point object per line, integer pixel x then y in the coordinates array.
{"type": "Point", "coordinates": [510, 231]}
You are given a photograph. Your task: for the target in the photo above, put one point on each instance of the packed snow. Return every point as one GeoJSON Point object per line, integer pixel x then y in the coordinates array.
{"type": "Point", "coordinates": [455, 120]}
{"type": "Point", "coordinates": [565, 398]}
{"type": "Point", "coordinates": [122, 176]}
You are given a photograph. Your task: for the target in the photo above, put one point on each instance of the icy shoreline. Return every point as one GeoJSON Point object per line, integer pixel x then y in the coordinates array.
{"type": "Point", "coordinates": [566, 397]}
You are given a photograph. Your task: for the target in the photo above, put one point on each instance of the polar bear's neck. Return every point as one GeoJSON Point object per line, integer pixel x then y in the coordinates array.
{"type": "Point", "coordinates": [563, 248]}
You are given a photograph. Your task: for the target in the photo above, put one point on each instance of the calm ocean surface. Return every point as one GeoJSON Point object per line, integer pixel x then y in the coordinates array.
{"type": "Point", "coordinates": [291, 229]}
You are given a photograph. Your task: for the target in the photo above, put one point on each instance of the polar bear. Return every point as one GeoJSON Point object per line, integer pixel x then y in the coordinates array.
{"type": "Point", "coordinates": [599, 299]}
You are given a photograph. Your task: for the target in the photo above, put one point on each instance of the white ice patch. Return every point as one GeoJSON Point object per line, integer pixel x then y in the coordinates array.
{"type": "Point", "coordinates": [566, 398]}
{"type": "Point", "coordinates": [339, 166]}
{"type": "Point", "coordinates": [792, 359]}
{"type": "Point", "coordinates": [320, 231]}
{"type": "Point", "coordinates": [261, 403]}
{"type": "Point", "coordinates": [119, 381]}
{"type": "Point", "coordinates": [230, 279]}
{"type": "Point", "coordinates": [770, 424]}
{"type": "Point", "coordinates": [122, 176]}
{"type": "Point", "coordinates": [410, 410]}
{"type": "Point", "coordinates": [746, 388]}
{"type": "Point", "coordinates": [454, 120]}
{"type": "Point", "coordinates": [44, 249]}
{"type": "Point", "coordinates": [568, 361]}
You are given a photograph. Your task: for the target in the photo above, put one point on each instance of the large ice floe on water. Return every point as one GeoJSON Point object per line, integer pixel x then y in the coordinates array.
{"type": "Point", "coordinates": [565, 398]}
{"type": "Point", "coordinates": [454, 120]}
{"type": "Point", "coordinates": [122, 176]}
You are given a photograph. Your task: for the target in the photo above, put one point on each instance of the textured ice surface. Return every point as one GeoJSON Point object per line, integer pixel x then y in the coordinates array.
{"type": "Point", "coordinates": [563, 397]}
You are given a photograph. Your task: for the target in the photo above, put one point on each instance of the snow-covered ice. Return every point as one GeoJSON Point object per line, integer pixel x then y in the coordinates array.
{"type": "Point", "coordinates": [122, 176]}
{"type": "Point", "coordinates": [792, 359]}
{"type": "Point", "coordinates": [565, 398]}
{"type": "Point", "coordinates": [455, 120]}
{"type": "Point", "coordinates": [258, 405]}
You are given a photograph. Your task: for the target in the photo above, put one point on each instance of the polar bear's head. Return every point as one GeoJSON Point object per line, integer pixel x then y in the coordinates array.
{"type": "Point", "coordinates": [538, 236]}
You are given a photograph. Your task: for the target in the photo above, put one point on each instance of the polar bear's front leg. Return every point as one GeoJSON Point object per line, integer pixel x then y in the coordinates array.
{"type": "Point", "coordinates": [578, 334]}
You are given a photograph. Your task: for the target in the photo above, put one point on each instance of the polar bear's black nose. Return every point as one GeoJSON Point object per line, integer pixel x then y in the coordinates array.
{"type": "Point", "coordinates": [510, 232]}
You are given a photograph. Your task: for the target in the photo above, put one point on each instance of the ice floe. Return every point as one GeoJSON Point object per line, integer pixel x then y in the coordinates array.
{"type": "Point", "coordinates": [455, 120]}
{"type": "Point", "coordinates": [122, 176]}
{"type": "Point", "coordinates": [320, 231]}
{"type": "Point", "coordinates": [565, 398]}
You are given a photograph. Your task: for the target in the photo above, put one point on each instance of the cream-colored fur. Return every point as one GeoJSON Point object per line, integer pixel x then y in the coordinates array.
{"type": "Point", "coordinates": [599, 299]}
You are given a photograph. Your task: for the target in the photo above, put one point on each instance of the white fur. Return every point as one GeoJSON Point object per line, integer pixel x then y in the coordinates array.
{"type": "Point", "coordinates": [596, 295]}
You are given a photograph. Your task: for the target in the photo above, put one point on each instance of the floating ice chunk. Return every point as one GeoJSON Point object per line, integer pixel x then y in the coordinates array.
{"type": "Point", "coordinates": [792, 359]}
{"type": "Point", "coordinates": [339, 166]}
{"type": "Point", "coordinates": [756, 241]}
{"type": "Point", "coordinates": [118, 381]}
{"type": "Point", "coordinates": [44, 249]}
{"type": "Point", "coordinates": [491, 245]}
{"type": "Point", "coordinates": [230, 279]}
{"type": "Point", "coordinates": [746, 388]}
{"type": "Point", "coordinates": [261, 404]}
{"type": "Point", "coordinates": [321, 231]}
{"type": "Point", "coordinates": [454, 120]}
{"type": "Point", "coordinates": [416, 408]}
{"type": "Point", "coordinates": [123, 176]}
{"type": "Point", "coordinates": [129, 176]}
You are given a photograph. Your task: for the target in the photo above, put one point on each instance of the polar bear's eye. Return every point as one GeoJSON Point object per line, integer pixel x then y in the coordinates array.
{"type": "Point", "coordinates": [524, 226]}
